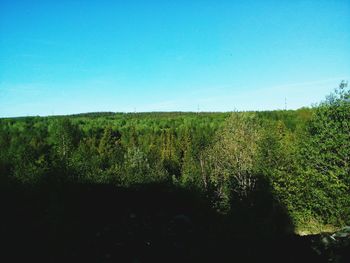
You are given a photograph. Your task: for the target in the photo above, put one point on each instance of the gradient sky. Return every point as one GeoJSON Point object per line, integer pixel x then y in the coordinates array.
{"type": "Point", "coordinates": [62, 57]}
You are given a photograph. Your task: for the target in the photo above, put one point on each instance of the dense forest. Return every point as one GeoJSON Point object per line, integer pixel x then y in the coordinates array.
{"type": "Point", "coordinates": [258, 174]}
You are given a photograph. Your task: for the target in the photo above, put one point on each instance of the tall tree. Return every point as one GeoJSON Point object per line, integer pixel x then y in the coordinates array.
{"type": "Point", "coordinates": [326, 156]}
{"type": "Point", "coordinates": [232, 157]}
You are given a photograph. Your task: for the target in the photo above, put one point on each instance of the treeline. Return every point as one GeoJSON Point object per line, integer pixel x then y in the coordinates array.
{"type": "Point", "coordinates": [122, 148]}
{"type": "Point", "coordinates": [302, 157]}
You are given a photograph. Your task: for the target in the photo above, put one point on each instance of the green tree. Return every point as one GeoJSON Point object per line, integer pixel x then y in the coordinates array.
{"type": "Point", "coordinates": [65, 137]}
{"type": "Point", "coordinates": [231, 159]}
{"type": "Point", "coordinates": [110, 148]}
{"type": "Point", "coordinates": [326, 157]}
{"type": "Point", "coordinates": [277, 162]}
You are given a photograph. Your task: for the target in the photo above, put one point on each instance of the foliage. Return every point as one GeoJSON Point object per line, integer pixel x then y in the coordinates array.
{"type": "Point", "coordinates": [325, 158]}
{"type": "Point", "coordinates": [299, 160]}
{"type": "Point", "coordinates": [231, 159]}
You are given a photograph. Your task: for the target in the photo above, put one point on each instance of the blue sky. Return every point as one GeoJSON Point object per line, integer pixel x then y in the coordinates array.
{"type": "Point", "coordinates": [62, 57]}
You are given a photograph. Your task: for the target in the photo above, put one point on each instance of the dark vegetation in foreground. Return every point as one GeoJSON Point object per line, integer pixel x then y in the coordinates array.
{"type": "Point", "coordinates": [177, 186]}
{"type": "Point", "coordinates": [150, 223]}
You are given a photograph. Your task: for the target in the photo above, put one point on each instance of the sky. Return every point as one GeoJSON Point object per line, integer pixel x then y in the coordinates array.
{"type": "Point", "coordinates": [65, 57]}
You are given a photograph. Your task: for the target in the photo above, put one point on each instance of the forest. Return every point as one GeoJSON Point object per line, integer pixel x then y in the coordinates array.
{"type": "Point", "coordinates": [178, 186]}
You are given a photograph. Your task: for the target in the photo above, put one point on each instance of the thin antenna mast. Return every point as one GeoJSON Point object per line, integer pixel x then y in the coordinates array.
{"type": "Point", "coordinates": [285, 103]}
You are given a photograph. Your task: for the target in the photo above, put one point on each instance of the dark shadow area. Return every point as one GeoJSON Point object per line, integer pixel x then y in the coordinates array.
{"type": "Point", "coordinates": [149, 223]}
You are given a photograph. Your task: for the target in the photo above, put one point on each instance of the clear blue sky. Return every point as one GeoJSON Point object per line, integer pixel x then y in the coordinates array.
{"type": "Point", "coordinates": [61, 57]}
